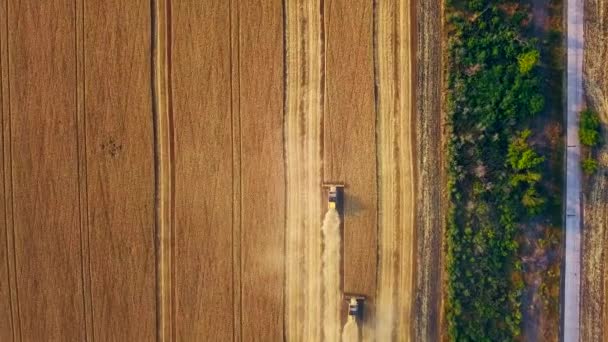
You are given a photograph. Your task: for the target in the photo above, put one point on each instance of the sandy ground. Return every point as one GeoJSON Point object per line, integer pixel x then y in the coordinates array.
{"type": "Point", "coordinates": [595, 239]}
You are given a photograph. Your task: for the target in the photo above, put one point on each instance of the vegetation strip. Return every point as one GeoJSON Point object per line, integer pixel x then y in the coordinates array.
{"type": "Point", "coordinates": [591, 137]}
{"type": "Point", "coordinates": [495, 174]}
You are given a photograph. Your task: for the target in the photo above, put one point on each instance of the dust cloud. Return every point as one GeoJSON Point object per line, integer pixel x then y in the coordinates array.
{"type": "Point", "coordinates": [331, 276]}
{"type": "Point", "coordinates": [351, 331]}
{"type": "Point", "coordinates": [385, 320]}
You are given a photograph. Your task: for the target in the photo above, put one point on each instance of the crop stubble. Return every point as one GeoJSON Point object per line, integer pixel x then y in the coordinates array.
{"type": "Point", "coordinates": [430, 177]}
{"type": "Point", "coordinates": [594, 306]}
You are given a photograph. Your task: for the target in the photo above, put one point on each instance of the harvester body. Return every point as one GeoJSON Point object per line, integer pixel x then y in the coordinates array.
{"type": "Point", "coordinates": [333, 194]}
{"type": "Point", "coordinates": [355, 305]}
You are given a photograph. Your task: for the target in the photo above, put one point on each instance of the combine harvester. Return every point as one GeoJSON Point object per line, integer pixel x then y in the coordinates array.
{"type": "Point", "coordinates": [334, 195]}
{"type": "Point", "coordinates": [355, 302]}
{"type": "Point", "coordinates": [350, 332]}
{"type": "Point", "coordinates": [355, 306]}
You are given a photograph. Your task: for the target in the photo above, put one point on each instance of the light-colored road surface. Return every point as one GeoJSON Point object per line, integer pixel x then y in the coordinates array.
{"type": "Point", "coordinates": [573, 172]}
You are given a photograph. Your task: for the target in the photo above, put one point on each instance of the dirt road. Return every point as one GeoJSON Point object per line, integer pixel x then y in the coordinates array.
{"type": "Point", "coordinates": [574, 105]}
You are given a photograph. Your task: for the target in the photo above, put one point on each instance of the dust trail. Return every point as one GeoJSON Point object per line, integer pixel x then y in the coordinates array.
{"type": "Point", "coordinates": [351, 331]}
{"type": "Point", "coordinates": [385, 319]}
{"type": "Point", "coordinates": [331, 276]}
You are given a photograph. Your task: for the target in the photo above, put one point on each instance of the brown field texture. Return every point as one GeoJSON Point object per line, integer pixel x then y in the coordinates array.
{"type": "Point", "coordinates": [162, 164]}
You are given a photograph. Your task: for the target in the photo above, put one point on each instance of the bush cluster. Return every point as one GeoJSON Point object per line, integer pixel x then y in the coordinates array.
{"type": "Point", "coordinates": [589, 131]}
{"type": "Point", "coordinates": [493, 91]}
{"type": "Point", "coordinates": [590, 136]}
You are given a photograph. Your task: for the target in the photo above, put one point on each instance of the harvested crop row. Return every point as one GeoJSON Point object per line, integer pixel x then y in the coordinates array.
{"type": "Point", "coordinates": [429, 168]}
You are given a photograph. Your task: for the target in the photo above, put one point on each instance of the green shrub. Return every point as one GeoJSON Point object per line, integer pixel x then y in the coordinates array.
{"type": "Point", "coordinates": [519, 17]}
{"type": "Point", "coordinates": [537, 103]}
{"type": "Point", "coordinates": [520, 156]}
{"type": "Point", "coordinates": [589, 131]}
{"type": "Point", "coordinates": [532, 201]}
{"type": "Point", "coordinates": [527, 61]}
{"type": "Point", "coordinates": [476, 5]}
{"type": "Point", "coordinates": [589, 165]}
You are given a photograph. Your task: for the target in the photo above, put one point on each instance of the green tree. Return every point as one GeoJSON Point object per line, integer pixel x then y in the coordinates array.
{"type": "Point", "coordinates": [537, 103]}
{"type": "Point", "coordinates": [530, 177]}
{"type": "Point", "coordinates": [528, 60]}
{"type": "Point", "coordinates": [589, 131]}
{"type": "Point", "coordinates": [532, 201]}
{"type": "Point", "coordinates": [489, 96]}
{"type": "Point", "coordinates": [521, 156]}
{"type": "Point", "coordinates": [589, 165]}
{"type": "Point", "coordinates": [525, 163]}
{"type": "Point", "coordinates": [476, 5]}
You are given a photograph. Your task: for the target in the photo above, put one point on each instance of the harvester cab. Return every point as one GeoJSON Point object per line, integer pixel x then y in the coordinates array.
{"type": "Point", "coordinates": [333, 195]}
{"type": "Point", "coordinates": [355, 305]}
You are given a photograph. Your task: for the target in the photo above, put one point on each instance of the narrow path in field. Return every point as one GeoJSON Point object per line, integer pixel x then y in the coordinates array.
{"type": "Point", "coordinates": [574, 104]}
